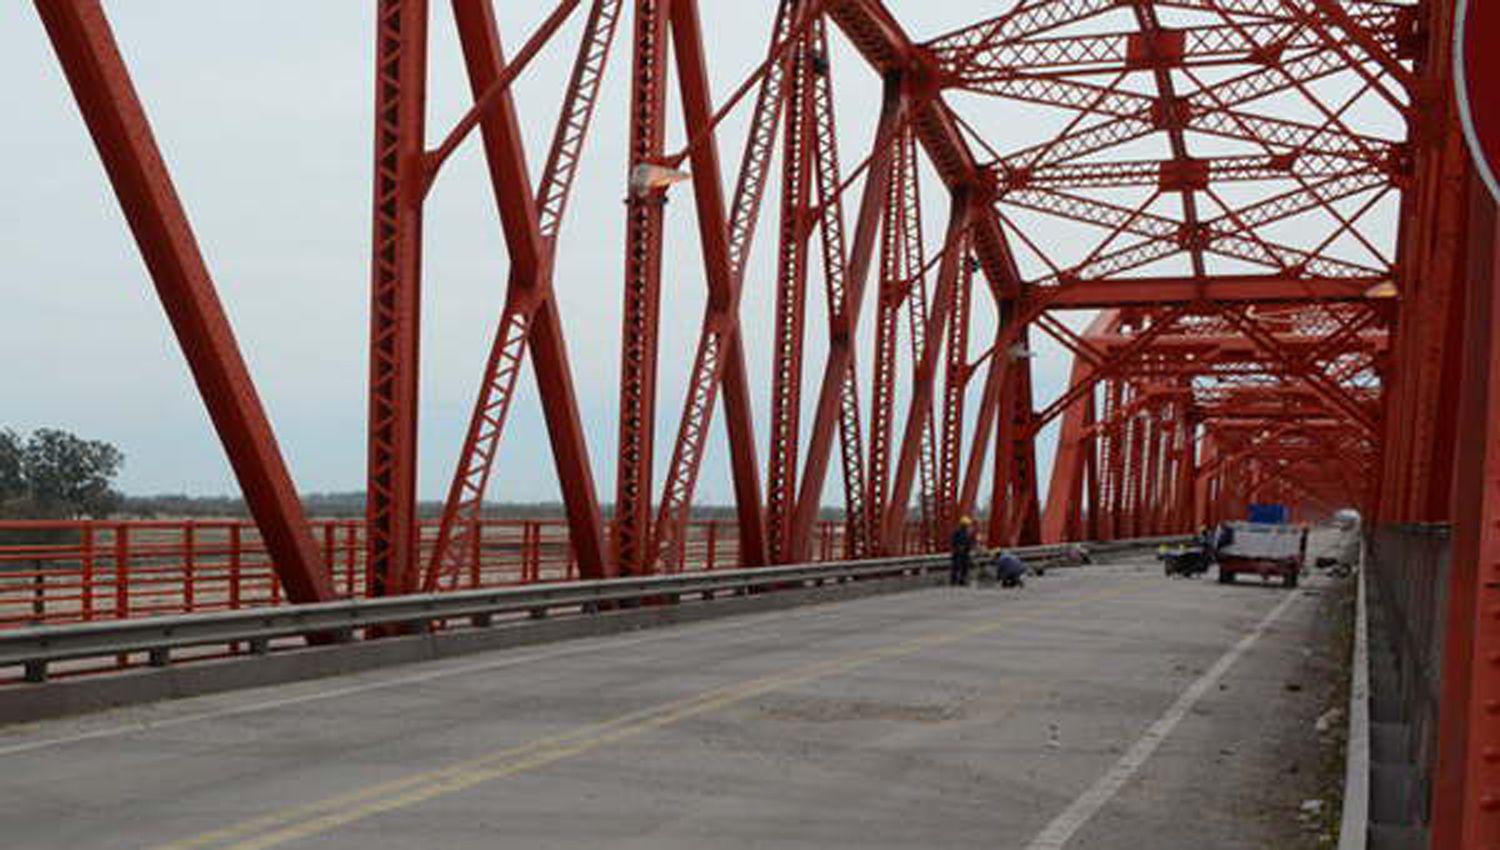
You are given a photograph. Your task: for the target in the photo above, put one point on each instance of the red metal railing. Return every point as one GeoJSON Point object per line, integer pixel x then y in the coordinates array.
{"type": "Point", "coordinates": [63, 571]}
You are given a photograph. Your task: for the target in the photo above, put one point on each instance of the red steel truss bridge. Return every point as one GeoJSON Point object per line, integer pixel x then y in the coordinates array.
{"type": "Point", "coordinates": [1253, 225]}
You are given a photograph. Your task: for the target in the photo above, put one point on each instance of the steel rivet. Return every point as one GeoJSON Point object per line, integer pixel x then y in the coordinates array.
{"type": "Point", "coordinates": [1489, 802]}
{"type": "Point", "coordinates": [1492, 707]}
{"type": "Point", "coordinates": [1491, 754]}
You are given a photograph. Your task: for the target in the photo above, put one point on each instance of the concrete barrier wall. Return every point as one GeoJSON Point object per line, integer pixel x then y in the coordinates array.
{"type": "Point", "coordinates": [1406, 570]}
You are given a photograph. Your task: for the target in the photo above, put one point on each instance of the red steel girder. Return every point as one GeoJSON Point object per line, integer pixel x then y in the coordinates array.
{"type": "Point", "coordinates": [395, 296]}
{"type": "Point", "coordinates": [902, 271]}
{"type": "Point", "coordinates": [1462, 813]}
{"type": "Point", "coordinates": [1154, 291]}
{"type": "Point", "coordinates": [955, 382]}
{"type": "Point", "coordinates": [796, 225]}
{"type": "Point", "coordinates": [630, 534]}
{"type": "Point", "coordinates": [1250, 42]}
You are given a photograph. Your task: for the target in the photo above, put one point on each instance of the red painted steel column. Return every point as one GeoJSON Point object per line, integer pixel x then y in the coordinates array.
{"type": "Point", "coordinates": [1002, 495]}
{"type": "Point", "coordinates": [791, 307]}
{"type": "Point", "coordinates": [1467, 778]}
{"type": "Point", "coordinates": [644, 202]}
{"type": "Point", "coordinates": [955, 384]}
{"type": "Point", "coordinates": [1059, 519]}
{"type": "Point", "coordinates": [1028, 517]}
{"type": "Point", "coordinates": [101, 84]}
{"type": "Point", "coordinates": [1115, 467]}
{"type": "Point", "coordinates": [838, 369]}
{"type": "Point", "coordinates": [395, 296]}
{"type": "Point", "coordinates": [1090, 523]}
{"type": "Point", "coordinates": [919, 411]}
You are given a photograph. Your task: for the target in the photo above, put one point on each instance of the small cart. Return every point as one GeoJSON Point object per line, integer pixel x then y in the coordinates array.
{"type": "Point", "coordinates": [1263, 549]}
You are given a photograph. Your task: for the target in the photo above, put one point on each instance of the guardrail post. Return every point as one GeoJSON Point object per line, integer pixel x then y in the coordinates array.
{"type": "Point", "coordinates": [160, 656]}
{"type": "Point", "coordinates": [36, 672]}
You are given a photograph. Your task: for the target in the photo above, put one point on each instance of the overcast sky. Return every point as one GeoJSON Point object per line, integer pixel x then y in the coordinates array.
{"type": "Point", "coordinates": [263, 111]}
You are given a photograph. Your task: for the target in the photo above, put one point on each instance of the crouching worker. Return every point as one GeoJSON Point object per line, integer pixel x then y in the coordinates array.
{"type": "Point", "coordinates": [1010, 570]}
{"type": "Point", "coordinates": [961, 552]}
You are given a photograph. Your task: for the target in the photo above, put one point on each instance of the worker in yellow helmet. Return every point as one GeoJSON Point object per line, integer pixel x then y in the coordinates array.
{"type": "Point", "coordinates": [962, 549]}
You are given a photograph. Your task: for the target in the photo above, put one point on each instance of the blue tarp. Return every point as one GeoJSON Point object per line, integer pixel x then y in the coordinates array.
{"type": "Point", "coordinates": [1267, 513]}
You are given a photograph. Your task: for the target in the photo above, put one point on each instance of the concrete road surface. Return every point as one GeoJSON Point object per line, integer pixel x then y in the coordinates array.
{"type": "Point", "coordinates": [1106, 707]}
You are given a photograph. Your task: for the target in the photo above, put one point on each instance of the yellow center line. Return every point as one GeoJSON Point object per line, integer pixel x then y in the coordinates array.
{"type": "Point", "coordinates": [301, 821]}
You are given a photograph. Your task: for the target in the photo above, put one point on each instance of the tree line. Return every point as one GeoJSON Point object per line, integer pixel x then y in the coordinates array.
{"type": "Point", "coordinates": [52, 474]}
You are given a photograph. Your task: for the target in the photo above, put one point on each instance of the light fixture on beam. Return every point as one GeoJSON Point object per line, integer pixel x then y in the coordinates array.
{"type": "Point", "coordinates": [1383, 289]}
{"type": "Point", "coordinates": [647, 176]}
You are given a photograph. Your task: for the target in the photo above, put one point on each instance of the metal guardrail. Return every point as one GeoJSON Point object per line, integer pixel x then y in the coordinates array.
{"type": "Point", "coordinates": [66, 571]}
{"type": "Point", "coordinates": [35, 648]}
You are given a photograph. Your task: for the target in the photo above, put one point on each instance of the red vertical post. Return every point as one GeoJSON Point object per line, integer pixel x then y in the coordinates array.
{"type": "Point", "coordinates": [791, 303]}
{"type": "Point", "coordinates": [1187, 471]}
{"type": "Point", "coordinates": [919, 410]}
{"type": "Point", "coordinates": [476, 554]}
{"type": "Point", "coordinates": [1074, 441]}
{"type": "Point", "coordinates": [86, 603]}
{"type": "Point", "coordinates": [189, 540]}
{"type": "Point", "coordinates": [955, 383]}
{"type": "Point", "coordinates": [395, 296]}
{"type": "Point", "coordinates": [1090, 524]}
{"type": "Point", "coordinates": [644, 203]}
{"type": "Point", "coordinates": [1028, 517]}
{"type": "Point", "coordinates": [1466, 783]}
{"type": "Point", "coordinates": [101, 85]}
{"type": "Point", "coordinates": [234, 566]}
{"type": "Point", "coordinates": [122, 571]}
{"type": "Point", "coordinates": [534, 549]}
{"type": "Point", "coordinates": [1151, 471]}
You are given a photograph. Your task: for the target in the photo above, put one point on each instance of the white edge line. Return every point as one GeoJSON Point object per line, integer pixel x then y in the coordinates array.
{"type": "Point", "coordinates": [1355, 824]}
{"type": "Point", "coordinates": [1465, 115]}
{"type": "Point", "coordinates": [1078, 813]}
